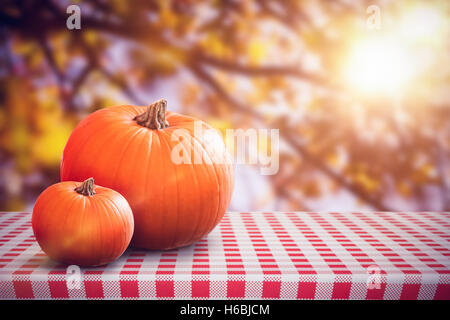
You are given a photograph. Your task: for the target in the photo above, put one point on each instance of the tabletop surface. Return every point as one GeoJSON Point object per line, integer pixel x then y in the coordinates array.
{"type": "Point", "coordinates": [270, 255]}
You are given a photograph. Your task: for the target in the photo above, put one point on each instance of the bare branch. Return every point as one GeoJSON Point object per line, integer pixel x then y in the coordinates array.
{"type": "Point", "coordinates": [285, 13]}
{"type": "Point", "coordinates": [123, 85]}
{"type": "Point", "coordinates": [265, 71]}
{"type": "Point", "coordinates": [51, 59]}
{"type": "Point", "coordinates": [216, 87]}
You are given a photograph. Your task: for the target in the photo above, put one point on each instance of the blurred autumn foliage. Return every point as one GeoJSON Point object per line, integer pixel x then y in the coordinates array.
{"type": "Point", "coordinates": [235, 64]}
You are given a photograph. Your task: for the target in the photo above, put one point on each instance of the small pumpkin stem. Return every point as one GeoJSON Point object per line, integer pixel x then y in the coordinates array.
{"type": "Point", "coordinates": [86, 188]}
{"type": "Point", "coordinates": [155, 116]}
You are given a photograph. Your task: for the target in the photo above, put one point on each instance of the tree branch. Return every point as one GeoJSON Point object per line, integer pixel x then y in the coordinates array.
{"type": "Point", "coordinates": [287, 16]}
{"type": "Point", "coordinates": [214, 85]}
{"type": "Point", "coordinates": [265, 71]}
{"type": "Point", "coordinates": [51, 59]}
{"type": "Point", "coordinates": [124, 86]}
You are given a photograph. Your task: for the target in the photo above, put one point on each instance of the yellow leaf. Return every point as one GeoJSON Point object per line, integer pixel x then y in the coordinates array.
{"type": "Point", "coordinates": [257, 50]}
{"type": "Point", "coordinates": [332, 159]}
{"type": "Point", "coordinates": [367, 182]}
{"type": "Point", "coordinates": [47, 148]}
{"type": "Point", "coordinates": [214, 45]}
{"type": "Point", "coordinates": [90, 37]}
{"type": "Point", "coordinates": [167, 18]}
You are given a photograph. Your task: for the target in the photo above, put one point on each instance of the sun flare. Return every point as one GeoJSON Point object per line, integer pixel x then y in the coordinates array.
{"type": "Point", "coordinates": [390, 61]}
{"type": "Point", "coordinates": [379, 66]}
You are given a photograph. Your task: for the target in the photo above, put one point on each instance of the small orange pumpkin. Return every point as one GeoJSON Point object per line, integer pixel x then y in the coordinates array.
{"type": "Point", "coordinates": [129, 149]}
{"type": "Point", "coordinates": [82, 224]}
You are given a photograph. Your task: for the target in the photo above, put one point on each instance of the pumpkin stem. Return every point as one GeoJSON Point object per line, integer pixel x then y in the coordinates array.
{"type": "Point", "coordinates": [86, 188]}
{"type": "Point", "coordinates": [155, 116]}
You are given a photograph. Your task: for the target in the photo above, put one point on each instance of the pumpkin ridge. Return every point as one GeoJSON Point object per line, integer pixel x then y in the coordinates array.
{"type": "Point", "coordinates": [130, 223]}
{"type": "Point", "coordinates": [163, 194]}
{"type": "Point", "coordinates": [154, 142]}
{"type": "Point", "coordinates": [81, 146]}
{"type": "Point", "coordinates": [199, 219]}
{"type": "Point", "coordinates": [208, 219]}
{"type": "Point", "coordinates": [56, 206]}
{"type": "Point", "coordinates": [101, 224]}
{"type": "Point", "coordinates": [194, 235]}
{"type": "Point", "coordinates": [169, 148]}
{"type": "Point", "coordinates": [117, 213]}
{"type": "Point", "coordinates": [70, 206]}
{"type": "Point", "coordinates": [97, 227]}
{"type": "Point", "coordinates": [99, 115]}
{"type": "Point", "coordinates": [122, 154]}
{"type": "Point", "coordinates": [141, 143]}
{"type": "Point", "coordinates": [149, 142]}
{"type": "Point", "coordinates": [73, 204]}
{"type": "Point", "coordinates": [216, 176]}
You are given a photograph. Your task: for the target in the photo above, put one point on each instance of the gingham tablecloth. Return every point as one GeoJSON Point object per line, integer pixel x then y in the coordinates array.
{"type": "Point", "coordinates": [298, 255]}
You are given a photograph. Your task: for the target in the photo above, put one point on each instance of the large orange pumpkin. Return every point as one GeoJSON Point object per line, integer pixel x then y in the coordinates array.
{"type": "Point", "coordinates": [83, 224]}
{"type": "Point", "coordinates": [134, 151]}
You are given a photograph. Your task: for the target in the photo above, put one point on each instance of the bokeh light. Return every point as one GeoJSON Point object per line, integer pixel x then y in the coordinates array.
{"type": "Point", "coordinates": [391, 60]}
{"type": "Point", "coordinates": [380, 66]}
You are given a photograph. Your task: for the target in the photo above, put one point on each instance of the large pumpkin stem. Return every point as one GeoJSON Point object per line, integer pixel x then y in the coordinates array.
{"type": "Point", "coordinates": [155, 116]}
{"type": "Point", "coordinates": [86, 188]}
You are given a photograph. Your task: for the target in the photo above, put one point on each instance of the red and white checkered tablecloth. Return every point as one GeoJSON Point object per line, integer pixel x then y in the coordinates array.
{"type": "Point", "coordinates": [298, 255]}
